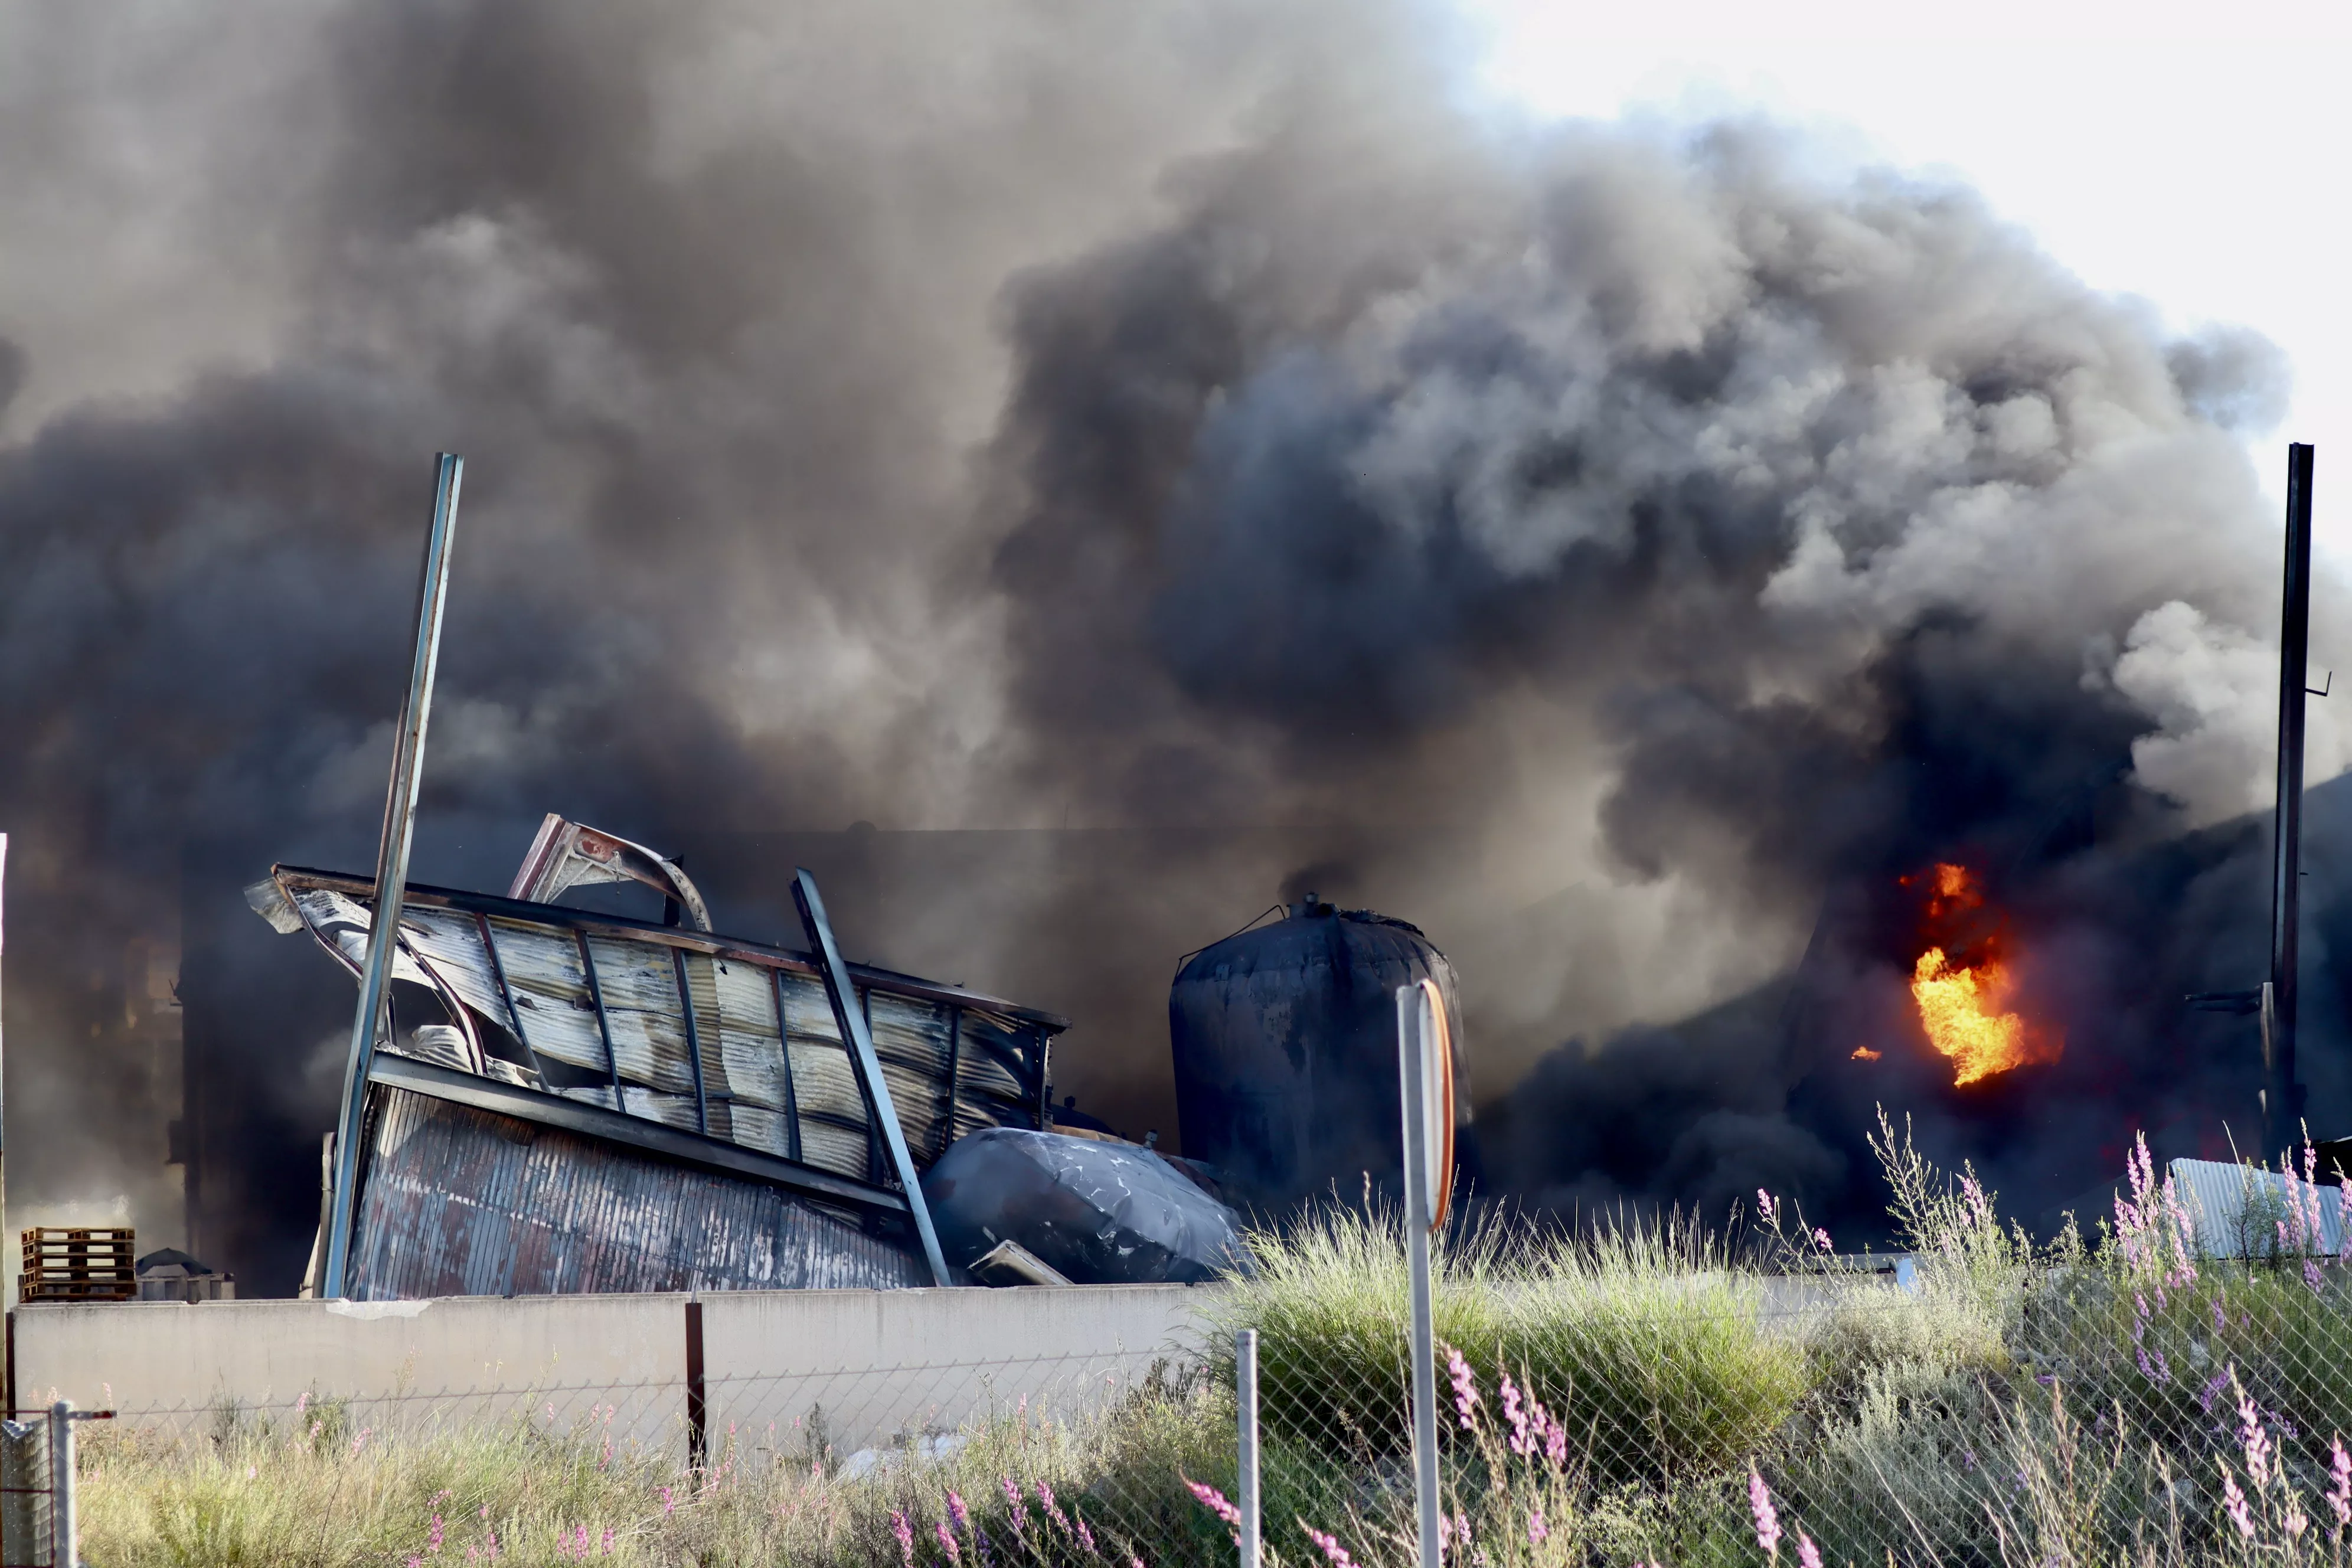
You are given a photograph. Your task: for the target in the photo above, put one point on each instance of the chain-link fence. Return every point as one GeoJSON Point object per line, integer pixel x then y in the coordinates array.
{"type": "Point", "coordinates": [1651, 1399]}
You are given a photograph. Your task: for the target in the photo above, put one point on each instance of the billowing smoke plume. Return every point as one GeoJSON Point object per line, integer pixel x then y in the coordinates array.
{"type": "Point", "coordinates": [1597, 546]}
{"type": "Point", "coordinates": [1707, 536]}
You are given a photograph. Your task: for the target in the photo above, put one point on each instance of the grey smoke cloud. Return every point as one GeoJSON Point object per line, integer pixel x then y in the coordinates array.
{"type": "Point", "coordinates": [1026, 417]}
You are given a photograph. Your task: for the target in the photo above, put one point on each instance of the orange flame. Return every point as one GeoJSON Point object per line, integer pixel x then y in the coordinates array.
{"type": "Point", "coordinates": [1962, 1005]}
{"type": "Point", "coordinates": [1864, 1054]}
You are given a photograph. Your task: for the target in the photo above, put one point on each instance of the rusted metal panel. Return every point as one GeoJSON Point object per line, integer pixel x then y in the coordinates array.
{"type": "Point", "coordinates": [460, 1200]}
{"type": "Point", "coordinates": [727, 1043]}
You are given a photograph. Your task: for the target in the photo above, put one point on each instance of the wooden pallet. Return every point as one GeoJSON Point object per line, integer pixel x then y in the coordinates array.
{"type": "Point", "coordinates": [79, 1264]}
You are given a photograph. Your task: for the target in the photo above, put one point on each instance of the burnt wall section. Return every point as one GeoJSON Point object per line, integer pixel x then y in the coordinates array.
{"type": "Point", "coordinates": [462, 1202]}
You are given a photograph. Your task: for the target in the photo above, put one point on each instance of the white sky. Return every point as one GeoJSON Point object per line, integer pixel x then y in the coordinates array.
{"type": "Point", "coordinates": [2199, 158]}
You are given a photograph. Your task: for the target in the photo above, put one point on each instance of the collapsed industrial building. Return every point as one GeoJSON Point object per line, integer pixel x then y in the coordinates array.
{"type": "Point", "coordinates": [569, 1101]}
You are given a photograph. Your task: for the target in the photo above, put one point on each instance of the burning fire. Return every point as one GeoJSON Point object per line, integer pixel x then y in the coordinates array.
{"type": "Point", "coordinates": [1962, 1000]}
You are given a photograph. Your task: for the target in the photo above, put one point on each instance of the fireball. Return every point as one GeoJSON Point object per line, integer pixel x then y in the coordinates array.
{"type": "Point", "coordinates": [1964, 1002]}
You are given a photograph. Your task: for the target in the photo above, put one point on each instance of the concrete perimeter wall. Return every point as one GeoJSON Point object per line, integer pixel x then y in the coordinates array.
{"type": "Point", "coordinates": [853, 1368]}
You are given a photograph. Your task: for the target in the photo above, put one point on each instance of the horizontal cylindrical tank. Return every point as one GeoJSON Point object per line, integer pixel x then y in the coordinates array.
{"type": "Point", "coordinates": [1285, 1053]}
{"type": "Point", "coordinates": [1099, 1213]}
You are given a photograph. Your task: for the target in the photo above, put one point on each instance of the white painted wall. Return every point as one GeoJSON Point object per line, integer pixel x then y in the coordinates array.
{"type": "Point", "coordinates": [886, 1363]}
{"type": "Point", "coordinates": [878, 1362]}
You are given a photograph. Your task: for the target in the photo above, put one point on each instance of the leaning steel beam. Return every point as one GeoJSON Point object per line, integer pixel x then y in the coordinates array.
{"type": "Point", "coordinates": [392, 866]}
{"type": "Point", "coordinates": [655, 1137]}
{"type": "Point", "coordinates": [850, 1018]}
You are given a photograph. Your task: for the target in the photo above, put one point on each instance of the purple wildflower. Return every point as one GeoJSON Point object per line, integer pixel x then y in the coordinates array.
{"type": "Point", "coordinates": [1537, 1533]}
{"type": "Point", "coordinates": [433, 1540]}
{"type": "Point", "coordinates": [1053, 1510]}
{"type": "Point", "coordinates": [1767, 1518]}
{"type": "Point", "coordinates": [1554, 1437]}
{"type": "Point", "coordinates": [1517, 1417]}
{"type": "Point", "coordinates": [1013, 1501]}
{"type": "Point", "coordinates": [898, 1527]}
{"type": "Point", "coordinates": [1085, 1536]}
{"type": "Point", "coordinates": [948, 1542]}
{"type": "Point", "coordinates": [2236, 1501]}
{"type": "Point", "coordinates": [956, 1511]}
{"type": "Point", "coordinates": [2339, 1496]}
{"type": "Point", "coordinates": [669, 1503]}
{"type": "Point", "coordinates": [1808, 1554]}
{"type": "Point", "coordinates": [2213, 1387]}
{"type": "Point", "coordinates": [1215, 1502]}
{"type": "Point", "coordinates": [1822, 1238]}
{"type": "Point", "coordinates": [1330, 1545]}
{"type": "Point", "coordinates": [1465, 1386]}
{"type": "Point", "coordinates": [1766, 1208]}
{"type": "Point", "coordinates": [2257, 1442]}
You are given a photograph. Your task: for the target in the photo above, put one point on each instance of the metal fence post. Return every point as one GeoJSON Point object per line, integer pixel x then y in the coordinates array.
{"type": "Point", "coordinates": [65, 1523]}
{"type": "Point", "coordinates": [1245, 1402]}
{"type": "Point", "coordinates": [1412, 1042]}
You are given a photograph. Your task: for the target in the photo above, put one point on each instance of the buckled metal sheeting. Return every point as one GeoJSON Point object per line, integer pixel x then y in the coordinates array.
{"type": "Point", "coordinates": [582, 1004]}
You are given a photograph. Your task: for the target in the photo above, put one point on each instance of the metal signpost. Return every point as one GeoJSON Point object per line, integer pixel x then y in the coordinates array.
{"type": "Point", "coordinates": [1425, 1066]}
{"type": "Point", "coordinates": [391, 876]}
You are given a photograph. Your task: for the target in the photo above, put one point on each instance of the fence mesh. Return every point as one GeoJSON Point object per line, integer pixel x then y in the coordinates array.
{"type": "Point", "coordinates": [2137, 1402]}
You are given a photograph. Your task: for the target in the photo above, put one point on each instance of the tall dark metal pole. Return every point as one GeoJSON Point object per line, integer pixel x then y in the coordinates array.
{"type": "Point", "coordinates": [2282, 1096]}
{"type": "Point", "coordinates": [391, 874]}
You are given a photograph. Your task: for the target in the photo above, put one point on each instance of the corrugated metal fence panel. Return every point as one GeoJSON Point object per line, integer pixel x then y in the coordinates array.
{"type": "Point", "coordinates": [2237, 1210]}
{"type": "Point", "coordinates": [461, 1202]}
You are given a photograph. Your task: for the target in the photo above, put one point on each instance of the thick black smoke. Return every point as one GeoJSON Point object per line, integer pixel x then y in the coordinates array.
{"type": "Point", "coordinates": [1598, 546]}
{"type": "Point", "coordinates": [702, 293]}
{"type": "Point", "coordinates": [1722, 540]}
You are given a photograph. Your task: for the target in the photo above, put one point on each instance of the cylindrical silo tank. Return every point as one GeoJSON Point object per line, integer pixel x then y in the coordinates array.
{"type": "Point", "coordinates": [1285, 1053]}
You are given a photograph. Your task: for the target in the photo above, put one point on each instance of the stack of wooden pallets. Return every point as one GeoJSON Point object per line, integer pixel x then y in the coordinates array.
{"type": "Point", "coordinates": [83, 1264]}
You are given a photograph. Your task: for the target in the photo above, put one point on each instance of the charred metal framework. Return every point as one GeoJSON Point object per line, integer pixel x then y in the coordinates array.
{"type": "Point", "coordinates": [689, 1051]}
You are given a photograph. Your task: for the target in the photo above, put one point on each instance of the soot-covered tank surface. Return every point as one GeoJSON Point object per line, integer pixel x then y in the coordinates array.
{"type": "Point", "coordinates": [1100, 1213]}
{"type": "Point", "coordinates": [1285, 1053]}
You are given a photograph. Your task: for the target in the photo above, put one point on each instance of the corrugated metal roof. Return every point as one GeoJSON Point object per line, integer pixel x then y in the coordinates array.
{"type": "Point", "coordinates": [2237, 1209]}
{"type": "Point", "coordinates": [458, 1200]}
{"type": "Point", "coordinates": [595, 1004]}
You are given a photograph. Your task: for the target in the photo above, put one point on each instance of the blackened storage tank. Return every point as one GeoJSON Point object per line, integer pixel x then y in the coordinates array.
{"type": "Point", "coordinates": [1285, 1053]}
